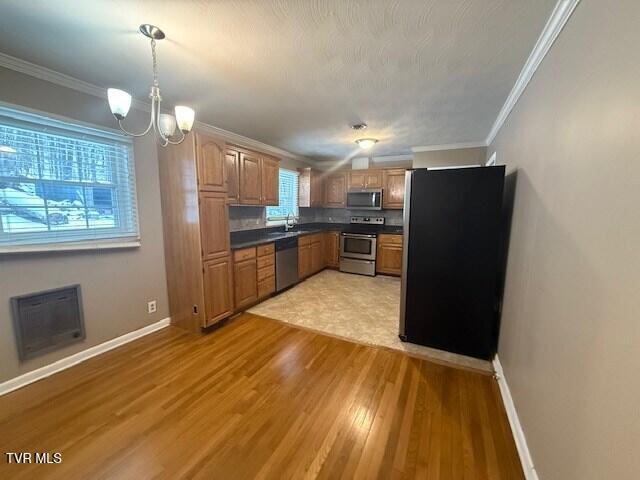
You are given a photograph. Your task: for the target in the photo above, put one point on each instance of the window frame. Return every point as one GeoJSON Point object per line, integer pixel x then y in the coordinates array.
{"type": "Point", "coordinates": [127, 201]}
{"type": "Point", "coordinates": [279, 222]}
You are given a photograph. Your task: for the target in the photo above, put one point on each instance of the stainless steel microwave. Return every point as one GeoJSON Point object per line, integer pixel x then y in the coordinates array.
{"type": "Point", "coordinates": [365, 198]}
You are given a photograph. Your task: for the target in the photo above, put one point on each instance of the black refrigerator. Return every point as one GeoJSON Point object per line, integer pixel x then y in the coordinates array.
{"type": "Point", "coordinates": [450, 276]}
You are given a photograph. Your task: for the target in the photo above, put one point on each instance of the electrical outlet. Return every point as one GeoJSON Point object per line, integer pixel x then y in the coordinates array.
{"type": "Point", "coordinates": [152, 307]}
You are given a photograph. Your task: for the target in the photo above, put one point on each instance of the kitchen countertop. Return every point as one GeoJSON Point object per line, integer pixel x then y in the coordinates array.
{"type": "Point", "coordinates": [251, 238]}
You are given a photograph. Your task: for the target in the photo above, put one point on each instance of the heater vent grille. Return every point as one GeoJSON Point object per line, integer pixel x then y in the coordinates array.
{"type": "Point", "coordinates": [46, 321]}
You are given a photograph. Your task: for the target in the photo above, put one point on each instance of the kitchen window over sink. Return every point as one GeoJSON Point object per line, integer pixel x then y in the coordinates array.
{"type": "Point", "coordinates": [288, 198]}
{"type": "Point", "coordinates": [64, 186]}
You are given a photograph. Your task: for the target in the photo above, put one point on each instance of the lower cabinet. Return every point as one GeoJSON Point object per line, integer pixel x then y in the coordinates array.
{"type": "Point", "coordinates": [218, 290]}
{"type": "Point", "coordinates": [311, 256]}
{"type": "Point", "coordinates": [332, 249]}
{"type": "Point", "coordinates": [266, 270]}
{"type": "Point", "coordinates": [245, 277]}
{"type": "Point", "coordinates": [389, 254]}
{"type": "Point", "coordinates": [304, 259]}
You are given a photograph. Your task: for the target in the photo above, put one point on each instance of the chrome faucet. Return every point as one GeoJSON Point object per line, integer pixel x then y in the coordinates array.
{"type": "Point", "coordinates": [288, 226]}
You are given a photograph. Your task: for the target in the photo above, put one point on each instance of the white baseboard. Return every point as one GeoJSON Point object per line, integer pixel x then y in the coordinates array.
{"type": "Point", "coordinates": [76, 358]}
{"type": "Point", "coordinates": [518, 434]}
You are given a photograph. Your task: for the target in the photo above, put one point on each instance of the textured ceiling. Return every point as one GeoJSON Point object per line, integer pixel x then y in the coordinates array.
{"type": "Point", "coordinates": [296, 73]}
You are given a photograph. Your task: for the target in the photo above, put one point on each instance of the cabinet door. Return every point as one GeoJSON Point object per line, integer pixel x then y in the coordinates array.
{"type": "Point", "coordinates": [250, 179]}
{"type": "Point", "coordinates": [336, 191]}
{"type": "Point", "coordinates": [316, 257]}
{"type": "Point", "coordinates": [211, 164]}
{"type": "Point", "coordinates": [304, 260]}
{"type": "Point", "coordinates": [317, 189]}
{"type": "Point", "coordinates": [357, 179]}
{"type": "Point", "coordinates": [332, 249]}
{"type": "Point", "coordinates": [389, 259]}
{"type": "Point", "coordinates": [245, 280]}
{"type": "Point", "coordinates": [270, 181]}
{"type": "Point", "coordinates": [214, 225]}
{"type": "Point", "coordinates": [218, 290]}
{"type": "Point", "coordinates": [393, 188]}
{"type": "Point", "coordinates": [232, 167]}
{"type": "Point", "coordinates": [373, 179]}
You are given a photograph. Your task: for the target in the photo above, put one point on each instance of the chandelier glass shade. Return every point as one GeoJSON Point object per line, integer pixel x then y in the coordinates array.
{"type": "Point", "coordinates": [163, 124]}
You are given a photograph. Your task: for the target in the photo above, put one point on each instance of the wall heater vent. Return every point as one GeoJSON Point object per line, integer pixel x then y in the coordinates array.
{"type": "Point", "coordinates": [46, 321]}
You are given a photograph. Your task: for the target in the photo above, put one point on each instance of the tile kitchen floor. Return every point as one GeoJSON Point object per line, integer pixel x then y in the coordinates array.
{"type": "Point", "coordinates": [355, 307]}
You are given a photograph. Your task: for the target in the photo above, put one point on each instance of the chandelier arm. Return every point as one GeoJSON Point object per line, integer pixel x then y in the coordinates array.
{"type": "Point", "coordinates": [177, 142]}
{"type": "Point", "coordinates": [136, 134]}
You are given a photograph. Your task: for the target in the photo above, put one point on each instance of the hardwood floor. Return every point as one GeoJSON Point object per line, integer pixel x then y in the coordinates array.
{"type": "Point", "coordinates": [259, 399]}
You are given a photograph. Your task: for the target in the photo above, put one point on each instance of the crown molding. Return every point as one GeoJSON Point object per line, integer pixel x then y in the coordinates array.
{"type": "Point", "coordinates": [559, 17]}
{"type": "Point", "coordinates": [57, 78]}
{"type": "Point", "coordinates": [248, 142]}
{"type": "Point", "coordinates": [448, 146]}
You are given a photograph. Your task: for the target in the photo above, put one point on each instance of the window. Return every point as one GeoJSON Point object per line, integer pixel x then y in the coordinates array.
{"type": "Point", "coordinates": [63, 185]}
{"type": "Point", "coordinates": [288, 198]}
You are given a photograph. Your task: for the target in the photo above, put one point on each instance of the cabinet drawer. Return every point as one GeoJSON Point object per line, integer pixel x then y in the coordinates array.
{"type": "Point", "coordinates": [266, 250]}
{"type": "Point", "coordinates": [266, 286]}
{"type": "Point", "coordinates": [390, 239]}
{"type": "Point", "coordinates": [266, 272]}
{"type": "Point", "coordinates": [267, 261]}
{"type": "Point", "coordinates": [244, 254]}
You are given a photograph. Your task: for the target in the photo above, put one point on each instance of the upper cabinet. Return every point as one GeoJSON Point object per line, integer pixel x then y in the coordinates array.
{"type": "Point", "coordinates": [232, 170]}
{"type": "Point", "coordinates": [336, 190]}
{"type": "Point", "coordinates": [393, 188]}
{"type": "Point", "coordinates": [252, 178]}
{"type": "Point", "coordinates": [310, 188]}
{"type": "Point", "coordinates": [270, 180]}
{"type": "Point", "coordinates": [365, 179]}
{"type": "Point", "coordinates": [210, 164]}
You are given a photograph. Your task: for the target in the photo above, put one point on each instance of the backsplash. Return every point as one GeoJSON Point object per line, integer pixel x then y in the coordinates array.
{"type": "Point", "coordinates": [249, 218]}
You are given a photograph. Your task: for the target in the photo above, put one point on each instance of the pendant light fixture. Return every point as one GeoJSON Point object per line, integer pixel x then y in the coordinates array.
{"type": "Point", "coordinates": [164, 124]}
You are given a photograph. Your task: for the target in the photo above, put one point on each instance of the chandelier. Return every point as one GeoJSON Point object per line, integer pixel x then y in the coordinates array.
{"type": "Point", "coordinates": [164, 124]}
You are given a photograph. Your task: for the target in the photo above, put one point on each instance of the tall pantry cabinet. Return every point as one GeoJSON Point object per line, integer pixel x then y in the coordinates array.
{"type": "Point", "coordinates": [194, 189]}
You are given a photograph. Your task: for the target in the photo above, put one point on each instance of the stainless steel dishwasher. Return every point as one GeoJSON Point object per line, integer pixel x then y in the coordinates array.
{"type": "Point", "coordinates": [286, 262]}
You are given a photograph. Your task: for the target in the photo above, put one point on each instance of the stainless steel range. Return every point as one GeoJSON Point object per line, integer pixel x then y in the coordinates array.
{"type": "Point", "coordinates": [358, 245]}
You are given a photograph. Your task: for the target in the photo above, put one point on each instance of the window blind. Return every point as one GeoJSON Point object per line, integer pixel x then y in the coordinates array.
{"type": "Point", "coordinates": [288, 196]}
{"type": "Point", "coordinates": [63, 183]}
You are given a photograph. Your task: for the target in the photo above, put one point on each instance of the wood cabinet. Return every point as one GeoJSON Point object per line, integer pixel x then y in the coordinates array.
{"type": "Point", "coordinates": [317, 255]}
{"type": "Point", "coordinates": [218, 289]}
{"type": "Point", "coordinates": [193, 192]}
{"type": "Point", "coordinates": [245, 277]}
{"type": "Point", "coordinates": [393, 188]}
{"type": "Point", "coordinates": [270, 175]}
{"type": "Point", "coordinates": [266, 263]}
{"type": "Point", "coordinates": [365, 179]}
{"type": "Point", "coordinates": [214, 219]}
{"type": "Point", "coordinates": [332, 249]}
{"type": "Point", "coordinates": [250, 178]}
{"type": "Point", "coordinates": [310, 188]}
{"type": "Point", "coordinates": [389, 254]}
{"type": "Point", "coordinates": [304, 260]}
{"type": "Point", "coordinates": [336, 190]}
{"type": "Point", "coordinates": [232, 170]}
{"type": "Point", "coordinates": [211, 164]}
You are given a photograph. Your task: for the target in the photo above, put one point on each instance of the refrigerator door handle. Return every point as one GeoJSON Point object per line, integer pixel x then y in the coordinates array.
{"type": "Point", "coordinates": [406, 213]}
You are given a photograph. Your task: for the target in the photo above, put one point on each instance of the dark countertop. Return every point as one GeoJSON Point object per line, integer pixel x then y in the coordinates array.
{"type": "Point", "coordinates": [251, 238]}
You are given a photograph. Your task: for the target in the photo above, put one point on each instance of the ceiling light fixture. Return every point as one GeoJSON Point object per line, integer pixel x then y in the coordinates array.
{"type": "Point", "coordinates": [164, 124]}
{"type": "Point", "coordinates": [366, 143]}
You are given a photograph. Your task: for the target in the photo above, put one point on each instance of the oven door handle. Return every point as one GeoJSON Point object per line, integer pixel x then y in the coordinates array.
{"type": "Point", "coordinates": [358, 235]}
